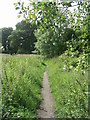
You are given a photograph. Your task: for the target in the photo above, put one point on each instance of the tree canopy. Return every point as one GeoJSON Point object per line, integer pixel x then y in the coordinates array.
{"type": "Point", "coordinates": [59, 30]}
{"type": "Point", "coordinates": [51, 22]}
{"type": "Point", "coordinates": [22, 39]}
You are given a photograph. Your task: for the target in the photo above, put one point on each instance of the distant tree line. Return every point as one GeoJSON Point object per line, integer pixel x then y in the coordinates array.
{"type": "Point", "coordinates": [21, 41]}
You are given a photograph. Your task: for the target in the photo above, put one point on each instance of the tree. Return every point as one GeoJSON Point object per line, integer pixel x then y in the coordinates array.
{"type": "Point", "coordinates": [50, 32]}
{"type": "Point", "coordinates": [5, 42]}
{"type": "Point", "coordinates": [51, 23]}
{"type": "Point", "coordinates": [79, 46]}
{"type": "Point", "coordinates": [22, 39]}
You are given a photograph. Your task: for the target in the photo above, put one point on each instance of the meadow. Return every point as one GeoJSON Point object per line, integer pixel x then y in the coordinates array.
{"type": "Point", "coordinates": [21, 85]}
{"type": "Point", "coordinates": [22, 77]}
{"type": "Point", "coordinates": [69, 89]}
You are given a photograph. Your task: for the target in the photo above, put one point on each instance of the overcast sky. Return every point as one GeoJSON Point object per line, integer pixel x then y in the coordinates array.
{"type": "Point", "coordinates": [8, 14]}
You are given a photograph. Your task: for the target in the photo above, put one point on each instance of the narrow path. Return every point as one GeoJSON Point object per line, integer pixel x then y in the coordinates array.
{"type": "Point", "coordinates": [47, 106]}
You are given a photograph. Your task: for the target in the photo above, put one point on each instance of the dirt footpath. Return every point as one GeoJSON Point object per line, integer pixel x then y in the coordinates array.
{"type": "Point", "coordinates": [47, 106]}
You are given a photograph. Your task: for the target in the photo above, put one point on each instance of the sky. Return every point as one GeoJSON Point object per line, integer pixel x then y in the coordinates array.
{"type": "Point", "coordinates": [8, 14]}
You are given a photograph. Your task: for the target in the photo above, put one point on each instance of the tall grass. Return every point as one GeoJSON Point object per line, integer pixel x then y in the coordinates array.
{"type": "Point", "coordinates": [0, 87]}
{"type": "Point", "coordinates": [21, 85]}
{"type": "Point", "coordinates": [70, 90]}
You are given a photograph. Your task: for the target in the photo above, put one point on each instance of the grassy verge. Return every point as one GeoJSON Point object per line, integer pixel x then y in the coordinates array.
{"type": "Point", "coordinates": [21, 85]}
{"type": "Point", "coordinates": [69, 90]}
{"type": "Point", "coordinates": [0, 87]}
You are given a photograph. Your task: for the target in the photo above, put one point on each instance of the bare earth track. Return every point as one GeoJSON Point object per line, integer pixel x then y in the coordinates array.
{"type": "Point", "coordinates": [46, 109]}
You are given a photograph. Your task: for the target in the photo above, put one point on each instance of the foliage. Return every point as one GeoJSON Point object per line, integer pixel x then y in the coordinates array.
{"type": "Point", "coordinates": [51, 23]}
{"type": "Point", "coordinates": [78, 47]}
{"type": "Point", "coordinates": [21, 85]}
{"type": "Point", "coordinates": [50, 32]}
{"type": "Point", "coordinates": [22, 39]}
{"type": "Point", "coordinates": [69, 89]}
{"type": "Point", "coordinates": [5, 42]}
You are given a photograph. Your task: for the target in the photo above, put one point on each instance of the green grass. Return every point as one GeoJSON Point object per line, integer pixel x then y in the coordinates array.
{"type": "Point", "coordinates": [69, 90]}
{"type": "Point", "coordinates": [0, 86]}
{"type": "Point", "coordinates": [21, 85]}
{"type": "Point", "coordinates": [22, 82]}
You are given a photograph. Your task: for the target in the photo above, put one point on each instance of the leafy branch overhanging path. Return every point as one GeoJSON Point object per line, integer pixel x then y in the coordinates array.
{"type": "Point", "coordinates": [46, 109]}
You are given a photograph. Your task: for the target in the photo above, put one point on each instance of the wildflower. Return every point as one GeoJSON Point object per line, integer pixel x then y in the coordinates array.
{"type": "Point", "coordinates": [70, 45]}
{"type": "Point", "coordinates": [53, 43]}
{"type": "Point", "coordinates": [71, 67]}
{"type": "Point", "coordinates": [82, 61]}
{"type": "Point", "coordinates": [83, 57]}
{"type": "Point", "coordinates": [84, 71]}
{"type": "Point", "coordinates": [83, 40]}
{"type": "Point", "coordinates": [64, 67]}
{"type": "Point", "coordinates": [65, 53]}
{"type": "Point", "coordinates": [72, 55]}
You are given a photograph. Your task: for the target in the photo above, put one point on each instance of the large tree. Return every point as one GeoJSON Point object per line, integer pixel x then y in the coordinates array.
{"type": "Point", "coordinates": [51, 23]}
{"type": "Point", "coordinates": [22, 39]}
{"type": "Point", "coordinates": [52, 20]}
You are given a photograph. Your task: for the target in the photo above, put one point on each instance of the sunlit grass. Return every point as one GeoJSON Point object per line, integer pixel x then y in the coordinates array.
{"type": "Point", "coordinates": [22, 78]}
{"type": "Point", "coordinates": [70, 90]}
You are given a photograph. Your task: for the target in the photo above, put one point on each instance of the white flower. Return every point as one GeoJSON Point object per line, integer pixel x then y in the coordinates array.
{"type": "Point", "coordinates": [71, 67]}
{"type": "Point", "coordinates": [53, 43]}
{"type": "Point", "coordinates": [72, 55]}
{"type": "Point", "coordinates": [65, 53]}
{"type": "Point", "coordinates": [64, 67]}
{"type": "Point", "coordinates": [83, 40]}
{"type": "Point", "coordinates": [82, 61]}
{"type": "Point", "coordinates": [84, 71]}
{"type": "Point", "coordinates": [79, 60]}
{"type": "Point", "coordinates": [70, 45]}
{"type": "Point", "coordinates": [83, 57]}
